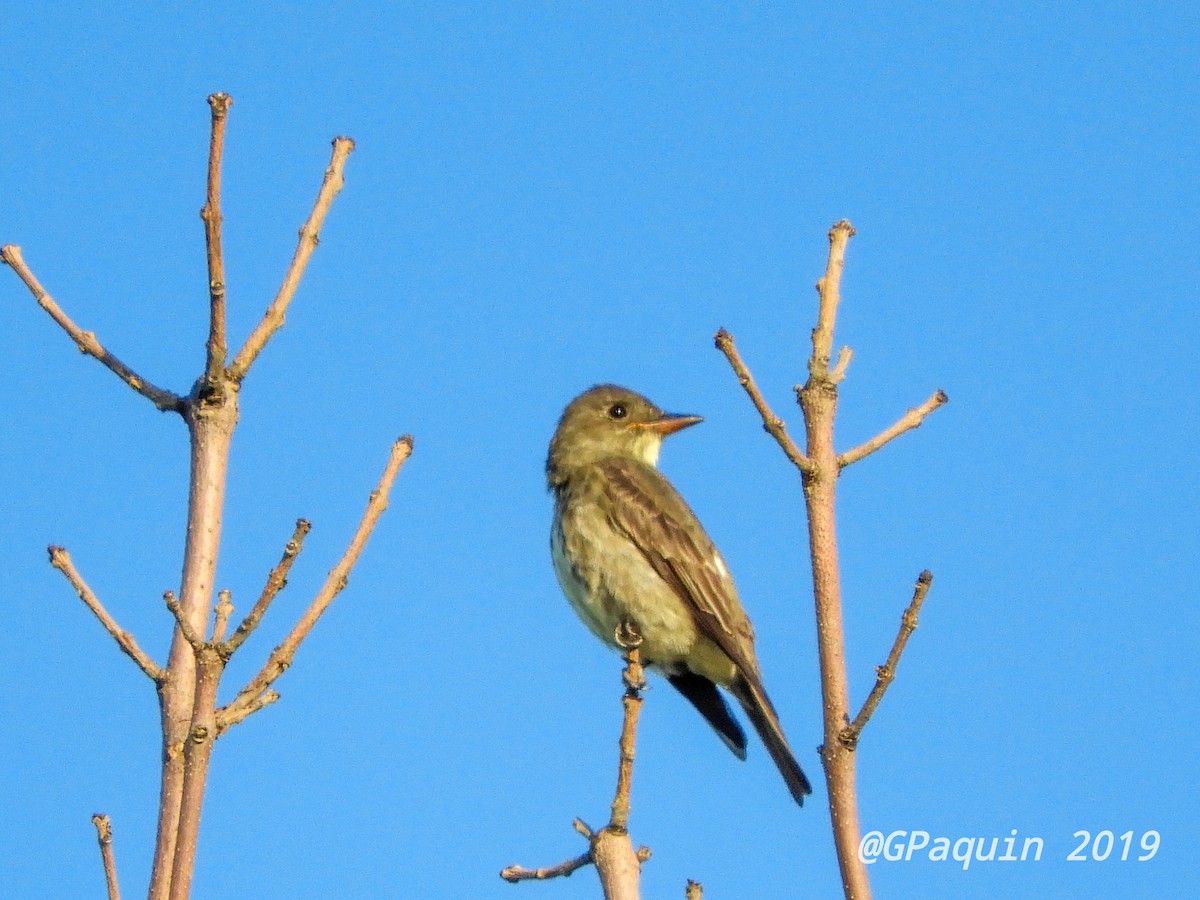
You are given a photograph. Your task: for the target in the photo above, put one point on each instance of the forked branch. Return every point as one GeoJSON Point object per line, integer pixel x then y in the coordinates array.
{"type": "Point", "coordinates": [820, 467]}
{"type": "Point", "coordinates": [610, 849]}
{"type": "Point", "coordinates": [253, 696]}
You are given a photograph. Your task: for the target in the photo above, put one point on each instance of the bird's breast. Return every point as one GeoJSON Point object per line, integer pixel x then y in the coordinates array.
{"type": "Point", "coordinates": [608, 580]}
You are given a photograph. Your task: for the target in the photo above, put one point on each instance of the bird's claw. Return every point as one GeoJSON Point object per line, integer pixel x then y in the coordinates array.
{"type": "Point", "coordinates": [626, 636]}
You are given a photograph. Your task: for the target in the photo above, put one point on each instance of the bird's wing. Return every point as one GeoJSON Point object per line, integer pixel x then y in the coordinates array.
{"type": "Point", "coordinates": [647, 508]}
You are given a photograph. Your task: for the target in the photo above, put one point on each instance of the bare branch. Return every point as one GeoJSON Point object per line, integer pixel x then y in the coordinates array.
{"type": "Point", "coordinates": [281, 657]}
{"type": "Point", "coordinates": [231, 715]}
{"type": "Point", "coordinates": [912, 419]}
{"type": "Point", "coordinates": [212, 216]}
{"type": "Point", "coordinates": [309, 236]}
{"type": "Point", "coordinates": [86, 341]}
{"type": "Point", "coordinates": [617, 863]}
{"type": "Point", "coordinates": [818, 400]}
{"type": "Point", "coordinates": [185, 627]}
{"type": "Point", "coordinates": [886, 673]}
{"type": "Point", "coordinates": [771, 422]}
{"type": "Point", "coordinates": [222, 611]}
{"type": "Point", "coordinates": [104, 836]}
{"type": "Point", "coordinates": [61, 560]}
{"type": "Point", "coordinates": [828, 289]}
{"type": "Point", "coordinates": [564, 869]}
{"type": "Point", "coordinates": [276, 581]}
{"type": "Point", "coordinates": [843, 362]}
{"type": "Point", "coordinates": [635, 682]}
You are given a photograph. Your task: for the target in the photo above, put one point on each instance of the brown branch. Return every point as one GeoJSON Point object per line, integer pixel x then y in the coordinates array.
{"type": "Point", "coordinates": [564, 869]}
{"type": "Point", "coordinates": [86, 341]}
{"type": "Point", "coordinates": [222, 611]}
{"type": "Point", "coordinates": [617, 863]}
{"type": "Point", "coordinates": [828, 288]}
{"type": "Point", "coordinates": [276, 581]}
{"type": "Point", "coordinates": [635, 682]}
{"type": "Point", "coordinates": [212, 216]}
{"type": "Point", "coordinates": [309, 236]}
{"type": "Point", "coordinates": [104, 837]}
{"type": "Point", "coordinates": [843, 363]}
{"type": "Point", "coordinates": [185, 627]}
{"type": "Point", "coordinates": [227, 717]}
{"type": "Point", "coordinates": [818, 400]}
{"type": "Point", "coordinates": [773, 425]}
{"type": "Point", "coordinates": [886, 673]}
{"type": "Point", "coordinates": [281, 657]}
{"type": "Point", "coordinates": [61, 560]}
{"type": "Point", "coordinates": [912, 419]}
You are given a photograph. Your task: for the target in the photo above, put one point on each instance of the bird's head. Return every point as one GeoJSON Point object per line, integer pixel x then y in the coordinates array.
{"type": "Point", "coordinates": [606, 421]}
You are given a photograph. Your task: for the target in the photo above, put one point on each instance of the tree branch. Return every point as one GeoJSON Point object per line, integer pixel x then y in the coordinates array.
{"type": "Point", "coordinates": [829, 289]}
{"type": "Point", "coordinates": [564, 869]}
{"type": "Point", "coordinates": [818, 400]}
{"type": "Point", "coordinates": [281, 657]}
{"type": "Point", "coordinates": [212, 216]}
{"type": "Point", "coordinates": [886, 673]}
{"type": "Point", "coordinates": [185, 627]}
{"type": "Point", "coordinates": [86, 341]}
{"type": "Point", "coordinates": [276, 581]}
{"type": "Point", "coordinates": [104, 837]}
{"type": "Point", "coordinates": [773, 425]}
{"type": "Point", "coordinates": [611, 850]}
{"type": "Point", "coordinates": [61, 560]}
{"type": "Point", "coordinates": [912, 419]}
{"type": "Point", "coordinates": [309, 236]}
{"type": "Point", "coordinates": [222, 611]}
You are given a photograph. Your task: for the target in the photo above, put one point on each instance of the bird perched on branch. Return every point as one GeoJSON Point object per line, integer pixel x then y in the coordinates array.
{"type": "Point", "coordinates": [629, 552]}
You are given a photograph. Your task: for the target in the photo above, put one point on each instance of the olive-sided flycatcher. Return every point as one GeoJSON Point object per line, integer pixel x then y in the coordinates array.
{"type": "Point", "coordinates": [627, 549]}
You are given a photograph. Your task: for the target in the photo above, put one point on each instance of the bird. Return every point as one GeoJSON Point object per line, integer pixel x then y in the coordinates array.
{"type": "Point", "coordinates": [629, 553]}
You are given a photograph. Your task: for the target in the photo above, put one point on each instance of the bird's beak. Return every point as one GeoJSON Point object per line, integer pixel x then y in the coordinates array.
{"type": "Point", "coordinates": [669, 424]}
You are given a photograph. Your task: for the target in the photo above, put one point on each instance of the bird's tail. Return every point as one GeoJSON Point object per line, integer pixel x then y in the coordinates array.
{"type": "Point", "coordinates": [753, 699]}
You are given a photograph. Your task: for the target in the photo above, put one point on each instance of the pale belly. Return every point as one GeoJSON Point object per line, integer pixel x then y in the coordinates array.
{"type": "Point", "coordinates": [611, 582]}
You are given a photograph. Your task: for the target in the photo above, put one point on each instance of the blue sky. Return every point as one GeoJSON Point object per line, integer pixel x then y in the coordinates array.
{"type": "Point", "coordinates": [548, 196]}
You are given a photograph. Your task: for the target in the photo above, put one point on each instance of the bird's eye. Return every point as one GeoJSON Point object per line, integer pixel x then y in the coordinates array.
{"type": "Point", "coordinates": [617, 411]}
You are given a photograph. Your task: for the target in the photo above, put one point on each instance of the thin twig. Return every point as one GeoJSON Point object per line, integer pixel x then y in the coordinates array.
{"type": "Point", "coordinates": [276, 581]}
{"type": "Point", "coordinates": [212, 216]}
{"type": "Point", "coordinates": [771, 422]}
{"type": "Point", "coordinates": [309, 236]}
{"type": "Point", "coordinates": [222, 611]}
{"type": "Point", "coordinates": [86, 341]}
{"type": "Point", "coordinates": [229, 716]}
{"type": "Point", "coordinates": [562, 870]}
{"type": "Point", "coordinates": [912, 419]}
{"type": "Point", "coordinates": [104, 836]}
{"type": "Point", "coordinates": [843, 362]}
{"type": "Point", "coordinates": [886, 673]}
{"type": "Point", "coordinates": [185, 627]}
{"type": "Point", "coordinates": [61, 560]}
{"type": "Point", "coordinates": [281, 657]}
{"type": "Point", "coordinates": [635, 683]}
